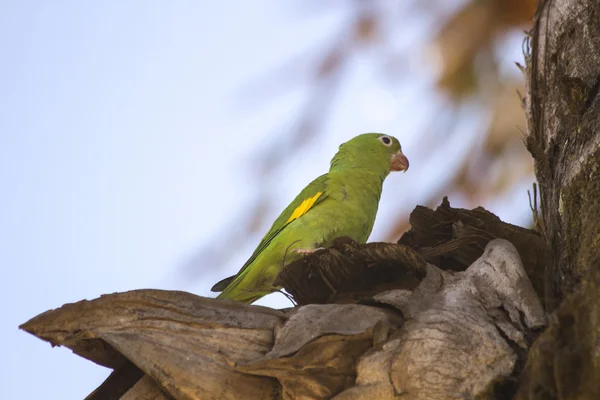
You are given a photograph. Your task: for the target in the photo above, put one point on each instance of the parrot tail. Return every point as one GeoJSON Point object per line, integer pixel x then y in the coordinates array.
{"type": "Point", "coordinates": [232, 292]}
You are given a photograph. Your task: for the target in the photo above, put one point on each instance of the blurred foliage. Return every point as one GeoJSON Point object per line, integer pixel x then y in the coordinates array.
{"type": "Point", "coordinates": [461, 44]}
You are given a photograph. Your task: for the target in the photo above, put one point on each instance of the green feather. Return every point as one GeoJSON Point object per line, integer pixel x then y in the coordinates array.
{"type": "Point", "coordinates": [319, 185]}
{"type": "Point", "coordinates": [342, 202]}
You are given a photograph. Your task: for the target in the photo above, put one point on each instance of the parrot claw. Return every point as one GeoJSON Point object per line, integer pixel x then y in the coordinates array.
{"type": "Point", "coordinates": [306, 252]}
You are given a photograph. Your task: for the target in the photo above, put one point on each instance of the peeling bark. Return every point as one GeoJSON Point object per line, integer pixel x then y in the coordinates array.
{"type": "Point", "coordinates": [183, 342]}
{"type": "Point", "coordinates": [451, 238]}
{"type": "Point", "coordinates": [456, 334]}
{"type": "Point", "coordinates": [463, 332]}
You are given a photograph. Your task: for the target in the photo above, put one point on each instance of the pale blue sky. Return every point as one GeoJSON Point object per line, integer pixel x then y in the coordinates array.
{"type": "Point", "coordinates": [125, 143]}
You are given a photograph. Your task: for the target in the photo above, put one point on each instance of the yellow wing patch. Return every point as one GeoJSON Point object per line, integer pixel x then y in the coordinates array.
{"type": "Point", "coordinates": [304, 207]}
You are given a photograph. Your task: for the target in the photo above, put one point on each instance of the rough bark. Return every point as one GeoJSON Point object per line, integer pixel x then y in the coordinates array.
{"type": "Point", "coordinates": [563, 135]}
{"type": "Point", "coordinates": [464, 332]}
{"type": "Point", "coordinates": [149, 327]}
{"type": "Point", "coordinates": [456, 334]}
{"type": "Point", "coordinates": [450, 238]}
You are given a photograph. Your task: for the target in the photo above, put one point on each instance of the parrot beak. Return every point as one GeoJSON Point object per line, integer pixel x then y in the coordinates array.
{"type": "Point", "coordinates": [399, 162]}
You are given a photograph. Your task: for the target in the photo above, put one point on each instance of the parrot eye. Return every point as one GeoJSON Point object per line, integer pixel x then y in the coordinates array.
{"type": "Point", "coordinates": [386, 140]}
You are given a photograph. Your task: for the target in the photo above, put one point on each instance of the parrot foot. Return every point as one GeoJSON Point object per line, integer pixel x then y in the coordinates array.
{"type": "Point", "coordinates": [306, 252]}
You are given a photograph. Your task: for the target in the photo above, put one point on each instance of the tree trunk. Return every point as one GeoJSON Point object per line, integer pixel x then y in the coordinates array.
{"type": "Point", "coordinates": [563, 115]}
{"type": "Point", "coordinates": [563, 124]}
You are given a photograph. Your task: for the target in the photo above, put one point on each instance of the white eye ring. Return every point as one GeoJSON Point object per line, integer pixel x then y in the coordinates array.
{"type": "Point", "coordinates": [386, 140]}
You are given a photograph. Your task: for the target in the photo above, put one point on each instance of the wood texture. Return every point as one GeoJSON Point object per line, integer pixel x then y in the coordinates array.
{"type": "Point", "coordinates": [456, 332]}
{"type": "Point", "coordinates": [563, 135]}
{"type": "Point", "coordinates": [185, 343]}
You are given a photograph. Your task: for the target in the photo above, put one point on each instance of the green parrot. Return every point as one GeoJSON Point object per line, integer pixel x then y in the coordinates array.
{"type": "Point", "coordinates": [342, 202]}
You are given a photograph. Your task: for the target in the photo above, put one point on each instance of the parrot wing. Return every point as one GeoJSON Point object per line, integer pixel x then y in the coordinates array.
{"type": "Point", "coordinates": [309, 197]}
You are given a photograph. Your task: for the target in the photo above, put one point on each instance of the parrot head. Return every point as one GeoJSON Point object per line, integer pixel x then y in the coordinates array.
{"type": "Point", "coordinates": [374, 151]}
